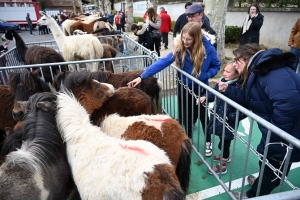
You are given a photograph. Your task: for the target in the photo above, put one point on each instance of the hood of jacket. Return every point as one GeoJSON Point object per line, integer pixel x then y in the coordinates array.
{"type": "Point", "coordinates": [265, 61]}
{"type": "Point", "coordinates": [142, 31]}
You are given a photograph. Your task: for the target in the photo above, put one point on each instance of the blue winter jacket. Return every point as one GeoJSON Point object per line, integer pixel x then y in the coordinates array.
{"type": "Point", "coordinates": [209, 69]}
{"type": "Point", "coordinates": [272, 92]}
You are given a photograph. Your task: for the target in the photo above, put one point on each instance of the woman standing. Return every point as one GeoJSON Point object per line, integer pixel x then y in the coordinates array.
{"type": "Point", "coordinates": [117, 20]}
{"type": "Point", "coordinates": [195, 55]}
{"type": "Point", "coordinates": [272, 91]}
{"type": "Point", "coordinates": [123, 21]}
{"type": "Point", "coordinates": [153, 22]}
{"type": "Point", "coordinates": [251, 27]}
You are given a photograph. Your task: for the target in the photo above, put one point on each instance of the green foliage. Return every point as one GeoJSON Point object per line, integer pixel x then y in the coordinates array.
{"type": "Point", "coordinates": [173, 25]}
{"type": "Point", "coordinates": [137, 19]}
{"type": "Point", "coordinates": [232, 34]}
{"type": "Point", "coordinates": [43, 4]}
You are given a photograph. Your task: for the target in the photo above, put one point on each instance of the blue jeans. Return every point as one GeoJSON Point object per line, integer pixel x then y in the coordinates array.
{"type": "Point", "coordinates": [30, 29]}
{"type": "Point", "coordinates": [297, 63]}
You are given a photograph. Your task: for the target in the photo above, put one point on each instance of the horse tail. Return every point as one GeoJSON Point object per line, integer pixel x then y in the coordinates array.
{"type": "Point", "coordinates": [157, 99]}
{"type": "Point", "coordinates": [169, 184]}
{"type": "Point", "coordinates": [184, 164]}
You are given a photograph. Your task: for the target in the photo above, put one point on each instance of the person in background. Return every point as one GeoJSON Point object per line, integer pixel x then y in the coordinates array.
{"type": "Point", "coordinates": [29, 22]}
{"type": "Point", "coordinates": [205, 19]}
{"type": "Point", "coordinates": [232, 77]}
{"type": "Point", "coordinates": [166, 26]}
{"type": "Point", "coordinates": [123, 21]}
{"type": "Point", "coordinates": [106, 15]}
{"type": "Point", "coordinates": [117, 20]}
{"type": "Point", "coordinates": [271, 89]}
{"type": "Point", "coordinates": [251, 27]}
{"type": "Point", "coordinates": [153, 22]}
{"type": "Point", "coordinates": [111, 18]}
{"type": "Point", "coordinates": [145, 16]}
{"type": "Point", "coordinates": [140, 30]}
{"type": "Point", "coordinates": [196, 56]}
{"type": "Point", "coordinates": [195, 14]}
{"type": "Point", "coordinates": [181, 21]}
{"type": "Point", "coordinates": [294, 43]}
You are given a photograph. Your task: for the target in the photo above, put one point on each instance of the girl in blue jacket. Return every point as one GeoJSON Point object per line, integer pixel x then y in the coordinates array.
{"type": "Point", "coordinates": [271, 89]}
{"type": "Point", "coordinates": [195, 55]}
{"type": "Point", "coordinates": [231, 77]}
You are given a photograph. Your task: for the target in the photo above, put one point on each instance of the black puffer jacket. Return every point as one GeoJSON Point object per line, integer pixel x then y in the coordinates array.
{"type": "Point", "coordinates": [252, 34]}
{"type": "Point", "coordinates": [144, 36]}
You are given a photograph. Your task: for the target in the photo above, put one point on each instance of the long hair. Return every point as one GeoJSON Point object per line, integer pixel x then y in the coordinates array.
{"type": "Point", "coordinates": [198, 51]}
{"type": "Point", "coordinates": [152, 15]}
{"type": "Point", "coordinates": [254, 5]}
{"type": "Point", "coordinates": [245, 52]}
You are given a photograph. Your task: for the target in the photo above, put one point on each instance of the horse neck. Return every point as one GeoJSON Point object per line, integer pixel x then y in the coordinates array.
{"type": "Point", "coordinates": [57, 33]}
{"type": "Point", "coordinates": [20, 45]}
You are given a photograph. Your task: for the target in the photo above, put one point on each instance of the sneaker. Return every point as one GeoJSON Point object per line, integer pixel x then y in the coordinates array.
{"type": "Point", "coordinates": [251, 179]}
{"type": "Point", "coordinates": [32, 35]}
{"type": "Point", "coordinates": [217, 158]}
{"type": "Point", "coordinates": [238, 195]}
{"type": "Point", "coordinates": [218, 169]}
{"type": "Point", "coordinates": [166, 48]}
{"type": "Point", "coordinates": [208, 150]}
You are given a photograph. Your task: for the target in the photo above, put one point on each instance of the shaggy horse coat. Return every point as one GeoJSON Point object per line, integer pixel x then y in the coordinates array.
{"type": "Point", "coordinates": [151, 86]}
{"type": "Point", "coordinates": [76, 47]}
{"type": "Point", "coordinates": [88, 28]}
{"type": "Point", "coordinates": [66, 26]}
{"type": "Point", "coordinates": [39, 170]}
{"type": "Point", "coordinates": [7, 105]}
{"type": "Point", "coordinates": [36, 54]}
{"type": "Point", "coordinates": [161, 130]}
{"type": "Point", "coordinates": [118, 169]}
{"type": "Point", "coordinates": [101, 24]}
{"type": "Point", "coordinates": [109, 52]}
{"type": "Point", "coordinates": [125, 101]}
{"type": "Point", "coordinates": [23, 85]}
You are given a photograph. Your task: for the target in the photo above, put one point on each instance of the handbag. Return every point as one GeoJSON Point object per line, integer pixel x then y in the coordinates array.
{"type": "Point", "coordinates": [155, 35]}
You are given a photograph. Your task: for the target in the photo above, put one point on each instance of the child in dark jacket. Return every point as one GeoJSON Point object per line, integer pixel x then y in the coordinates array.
{"type": "Point", "coordinates": [230, 76]}
{"type": "Point", "coordinates": [140, 30]}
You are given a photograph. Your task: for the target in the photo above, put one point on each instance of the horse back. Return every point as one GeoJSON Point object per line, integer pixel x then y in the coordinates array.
{"type": "Point", "coordinates": [6, 107]}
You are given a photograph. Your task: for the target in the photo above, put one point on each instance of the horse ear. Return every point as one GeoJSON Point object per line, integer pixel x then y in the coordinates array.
{"type": "Point", "coordinates": [23, 104]}
{"type": "Point", "coordinates": [9, 131]}
{"type": "Point", "coordinates": [45, 105]}
{"type": "Point", "coordinates": [36, 73]}
{"type": "Point", "coordinates": [43, 13]}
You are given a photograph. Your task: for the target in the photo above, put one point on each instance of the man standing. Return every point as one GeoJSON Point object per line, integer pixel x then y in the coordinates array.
{"type": "Point", "coordinates": [29, 23]}
{"type": "Point", "coordinates": [195, 14]}
{"type": "Point", "coordinates": [166, 25]}
{"type": "Point", "coordinates": [182, 20]}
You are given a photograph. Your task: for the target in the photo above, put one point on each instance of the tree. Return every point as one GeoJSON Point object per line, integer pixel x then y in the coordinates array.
{"type": "Point", "coordinates": [129, 13]}
{"type": "Point", "coordinates": [216, 11]}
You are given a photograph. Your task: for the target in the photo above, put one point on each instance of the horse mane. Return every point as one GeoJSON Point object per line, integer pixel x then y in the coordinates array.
{"type": "Point", "coordinates": [74, 79]}
{"type": "Point", "coordinates": [106, 31]}
{"type": "Point", "coordinates": [28, 81]}
{"type": "Point", "coordinates": [20, 44]}
{"type": "Point", "coordinates": [100, 76]}
{"type": "Point", "coordinates": [43, 144]}
{"type": "Point", "coordinates": [59, 78]}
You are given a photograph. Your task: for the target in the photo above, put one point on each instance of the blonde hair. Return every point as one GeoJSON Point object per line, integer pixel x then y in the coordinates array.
{"type": "Point", "coordinates": [198, 52]}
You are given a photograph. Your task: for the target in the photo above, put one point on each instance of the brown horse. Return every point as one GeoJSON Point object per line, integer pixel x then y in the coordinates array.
{"type": "Point", "coordinates": [125, 101]}
{"type": "Point", "coordinates": [89, 27]}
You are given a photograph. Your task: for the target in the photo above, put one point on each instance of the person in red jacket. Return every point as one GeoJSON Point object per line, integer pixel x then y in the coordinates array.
{"type": "Point", "coordinates": [166, 25]}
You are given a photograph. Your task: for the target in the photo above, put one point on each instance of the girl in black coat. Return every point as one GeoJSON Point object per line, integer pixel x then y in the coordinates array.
{"type": "Point", "coordinates": [230, 76]}
{"type": "Point", "coordinates": [251, 27]}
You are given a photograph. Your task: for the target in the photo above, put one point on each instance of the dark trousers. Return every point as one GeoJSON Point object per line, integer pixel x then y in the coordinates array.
{"type": "Point", "coordinates": [165, 39]}
{"type": "Point", "coordinates": [30, 29]}
{"type": "Point", "coordinates": [45, 30]}
{"type": "Point", "coordinates": [226, 149]}
{"type": "Point", "coordinates": [187, 105]}
{"type": "Point", "coordinates": [156, 44]}
{"type": "Point", "coordinates": [118, 27]}
{"type": "Point", "coordinates": [267, 184]}
{"type": "Point", "coordinates": [122, 27]}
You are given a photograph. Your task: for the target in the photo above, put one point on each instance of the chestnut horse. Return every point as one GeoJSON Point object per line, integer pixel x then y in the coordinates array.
{"type": "Point", "coordinates": [117, 169]}
{"type": "Point", "coordinates": [39, 169]}
{"type": "Point", "coordinates": [125, 101]}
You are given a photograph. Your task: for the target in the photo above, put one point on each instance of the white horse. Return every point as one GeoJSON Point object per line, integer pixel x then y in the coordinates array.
{"type": "Point", "coordinates": [76, 47]}
{"type": "Point", "coordinates": [104, 167]}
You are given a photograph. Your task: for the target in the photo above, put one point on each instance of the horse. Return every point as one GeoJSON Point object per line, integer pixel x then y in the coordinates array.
{"type": "Point", "coordinates": [36, 54]}
{"type": "Point", "coordinates": [118, 169]}
{"type": "Point", "coordinates": [23, 85]}
{"type": "Point", "coordinates": [125, 101]}
{"type": "Point", "coordinates": [75, 47]}
{"type": "Point", "coordinates": [39, 169]}
{"type": "Point", "coordinates": [161, 130]}
{"type": "Point", "coordinates": [151, 86]}
{"type": "Point", "coordinates": [84, 27]}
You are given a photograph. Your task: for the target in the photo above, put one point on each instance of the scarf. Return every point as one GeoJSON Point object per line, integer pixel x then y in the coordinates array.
{"type": "Point", "coordinates": [247, 23]}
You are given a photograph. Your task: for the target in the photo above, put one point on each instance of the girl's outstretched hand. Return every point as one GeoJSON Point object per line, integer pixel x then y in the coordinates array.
{"type": "Point", "coordinates": [202, 99]}
{"type": "Point", "coordinates": [135, 82]}
{"type": "Point", "coordinates": [222, 85]}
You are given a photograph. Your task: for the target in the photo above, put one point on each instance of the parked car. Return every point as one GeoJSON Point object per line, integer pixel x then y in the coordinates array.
{"type": "Point", "coordinates": [5, 24]}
